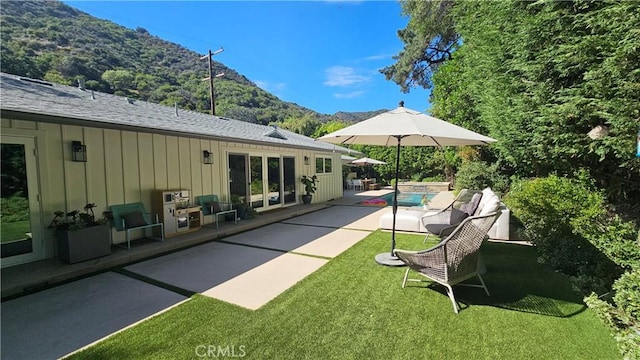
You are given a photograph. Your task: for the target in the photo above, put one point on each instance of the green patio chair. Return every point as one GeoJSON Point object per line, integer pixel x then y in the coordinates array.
{"type": "Point", "coordinates": [133, 216]}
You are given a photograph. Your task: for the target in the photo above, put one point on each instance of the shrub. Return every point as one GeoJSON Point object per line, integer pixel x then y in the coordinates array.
{"type": "Point", "coordinates": [15, 208]}
{"type": "Point", "coordinates": [479, 175]}
{"type": "Point", "coordinates": [627, 296]}
{"type": "Point", "coordinates": [622, 315]}
{"type": "Point", "coordinates": [567, 220]}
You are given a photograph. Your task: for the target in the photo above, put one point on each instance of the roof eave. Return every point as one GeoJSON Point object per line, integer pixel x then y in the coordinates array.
{"type": "Point", "coordinates": [65, 120]}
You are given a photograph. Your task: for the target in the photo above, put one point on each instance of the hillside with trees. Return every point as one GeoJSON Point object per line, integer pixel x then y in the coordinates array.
{"type": "Point", "coordinates": [52, 41]}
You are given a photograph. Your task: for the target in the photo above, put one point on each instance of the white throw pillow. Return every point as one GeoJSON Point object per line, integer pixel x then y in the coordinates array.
{"type": "Point", "coordinates": [492, 205]}
{"type": "Point", "coordinates": [486, 195]}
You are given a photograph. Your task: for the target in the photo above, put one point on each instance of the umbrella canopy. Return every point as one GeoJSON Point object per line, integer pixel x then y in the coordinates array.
{"type": "Point", "coordinates": [367, 161]}
{"type": "Point", "coordinates": [412, 127]}
{"type": "Point", "coordinates": [346, 159]}
{"type": "Point", "coordinates": [398, 127]}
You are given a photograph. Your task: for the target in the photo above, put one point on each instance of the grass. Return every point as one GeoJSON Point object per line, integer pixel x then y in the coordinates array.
{"type": "Point", "coordinates": [14, 230]}
{"type": "Point", "coordinates": [353, 308]}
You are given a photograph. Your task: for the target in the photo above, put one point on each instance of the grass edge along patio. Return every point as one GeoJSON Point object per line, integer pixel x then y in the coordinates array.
{"type": "Point", "coordinates": [352, 308]}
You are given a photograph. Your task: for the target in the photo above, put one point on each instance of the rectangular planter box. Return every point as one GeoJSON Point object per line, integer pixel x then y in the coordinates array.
{"type": "Point", "coordinates": [84, 244]}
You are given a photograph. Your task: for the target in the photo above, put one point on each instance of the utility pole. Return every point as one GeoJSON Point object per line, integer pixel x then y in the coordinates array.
{"type": "Point", "coordinates": [210, 78]}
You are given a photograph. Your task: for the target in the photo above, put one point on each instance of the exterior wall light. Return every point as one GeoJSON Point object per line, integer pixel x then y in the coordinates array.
{"type": "Point", "coordinates": [78, 151]}
{"type": "Point", "coordinates": [207, 157]}
{"type": "Point", "coordinates": [306, 160]}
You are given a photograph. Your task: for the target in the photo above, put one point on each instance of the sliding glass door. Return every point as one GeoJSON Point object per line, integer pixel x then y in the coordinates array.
{"type": "Point", "coordinates": [238, 177]}
{"type": "Point", "coordinates": [257, 188]}
{"type": "Point", "coordinates": [289, 179]}
{"type": "Point", "coordinates": [267, 182]}
{"type": "Point", "coordinates": [274, 180]}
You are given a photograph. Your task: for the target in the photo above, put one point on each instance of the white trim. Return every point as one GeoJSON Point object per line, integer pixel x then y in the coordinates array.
{"type": "Point", "coordinates": [36, 230]}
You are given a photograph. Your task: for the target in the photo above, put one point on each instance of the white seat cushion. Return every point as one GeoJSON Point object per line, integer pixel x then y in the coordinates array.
{"type": "Point", "coordinates": [406, 220]}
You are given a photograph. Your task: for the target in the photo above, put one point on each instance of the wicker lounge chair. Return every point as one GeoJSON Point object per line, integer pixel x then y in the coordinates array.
{"type": "Point", "coordinates": [443, 222]}
{"type": "Point", "coordinates": [409, 219]}
{"type": "Point", "coordinates": [454, 259]}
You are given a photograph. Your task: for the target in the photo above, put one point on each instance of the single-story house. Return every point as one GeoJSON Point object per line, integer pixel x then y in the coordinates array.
{"type": "Point", "coordinates": [81, 146]}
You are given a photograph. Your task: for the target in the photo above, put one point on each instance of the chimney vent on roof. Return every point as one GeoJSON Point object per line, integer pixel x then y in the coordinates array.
{"type": "Point", "coordinates": [274, 133]}
{"type": "Point", "coordinates": [176, 105]}
{"type": "Point", "coordinates": [93, 97]}
{"type": "Point", "coordinates": [81, 84]}
{"type": "Point", "coordinates": [130, 101]}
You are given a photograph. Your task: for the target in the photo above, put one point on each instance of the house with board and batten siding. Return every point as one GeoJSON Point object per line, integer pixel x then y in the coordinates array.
{"type": "Point", "coordinates": [134, 148]}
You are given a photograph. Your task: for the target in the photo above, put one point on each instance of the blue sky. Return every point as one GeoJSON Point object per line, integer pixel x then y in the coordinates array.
{"type": "Point", "coordinates": [323, 55]}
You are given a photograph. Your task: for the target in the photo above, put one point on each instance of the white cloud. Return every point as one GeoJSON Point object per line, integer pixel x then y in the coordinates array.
{"type": "Point", "coordinates": [269, 86]}
{"type": "Point", "coordinates": [343, 76]}
{"type": "Point", "coordinates": [350, 95]}
{"type": "Point", "coordinates": [354, 2]}
{"type": "Point", "coordinates": [379, 57]}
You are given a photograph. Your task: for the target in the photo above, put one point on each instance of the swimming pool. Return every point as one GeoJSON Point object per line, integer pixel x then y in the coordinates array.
{"type": "Point", "coordinates": [404, 199]}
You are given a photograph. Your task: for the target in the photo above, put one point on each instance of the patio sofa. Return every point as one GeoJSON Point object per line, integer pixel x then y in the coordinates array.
{"type": "Point", "coordinates": [408, 219]}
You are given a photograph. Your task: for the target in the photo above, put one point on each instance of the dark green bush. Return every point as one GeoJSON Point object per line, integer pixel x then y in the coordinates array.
{"type": "Point", "coordinates": [568, 221]}
{"type": "Point", "coordinates": [628, 293]}
{"type": "Point", "coordinates": [479, 175]}
{"type": "Point", "coordinates": [622, 315]}
{"type": "Point", "coordinates": [15, 208]}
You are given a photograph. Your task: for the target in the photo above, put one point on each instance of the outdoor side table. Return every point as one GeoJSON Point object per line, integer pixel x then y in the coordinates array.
{"type": "Point", "coordinates": [225, 212]}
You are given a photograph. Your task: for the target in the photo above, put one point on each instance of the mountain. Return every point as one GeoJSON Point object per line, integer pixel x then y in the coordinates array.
{"type": "Point", "coordinates": [53, 41]}
{"type": "Point", "coordinates": [354, 117]}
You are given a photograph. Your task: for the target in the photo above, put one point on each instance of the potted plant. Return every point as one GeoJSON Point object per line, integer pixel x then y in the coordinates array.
{"type": "Point", "coordinates": [80, 235]}
{"type": "Point", "coordinates": [310, 187]}
{"type": "Point", "coordinates": [244, 210]}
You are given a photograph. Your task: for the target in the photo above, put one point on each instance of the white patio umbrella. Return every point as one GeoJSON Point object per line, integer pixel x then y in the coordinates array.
{"type": "Point", "coordinates": [398, 127]}
{"type": "Point", "coordinates": [346, 159]}
{"type": "Point", "coordinates": [367, 161]}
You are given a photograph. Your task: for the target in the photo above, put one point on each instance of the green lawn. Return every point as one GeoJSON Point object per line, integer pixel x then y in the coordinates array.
{"type": "Point", "coordinates": [353, 308]}
{"type": "Point", "coordinates": [14, 230]}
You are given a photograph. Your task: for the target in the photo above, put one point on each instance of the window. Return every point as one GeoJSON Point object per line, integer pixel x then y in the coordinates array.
{"type": "Point", "coordinates": [324, 165]}
{"type": "Point", "coordinates": [327, 165]}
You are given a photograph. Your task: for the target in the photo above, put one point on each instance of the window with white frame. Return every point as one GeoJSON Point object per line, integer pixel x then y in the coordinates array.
{"type": "Point", "coordinates": [324, 165]}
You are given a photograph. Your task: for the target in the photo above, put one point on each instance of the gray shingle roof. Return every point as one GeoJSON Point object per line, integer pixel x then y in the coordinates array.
{"type": "Point", "coordinates": [30, 96]}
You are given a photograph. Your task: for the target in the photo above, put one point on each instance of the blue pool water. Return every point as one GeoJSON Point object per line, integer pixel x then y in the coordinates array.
{"type": "Point", "coordinates": [408, 198]}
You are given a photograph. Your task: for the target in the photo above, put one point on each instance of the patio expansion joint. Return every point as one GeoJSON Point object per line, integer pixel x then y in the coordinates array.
{"type": "Point", "coordinates": [310, 255]}
{"type": "Point", "coordinates": [346, 227]}
{"type": "Point", "coordinates": [151, 281]}
{"type": "Point", "coordinates": [274, 249]}
{"type": "Point", "coordinates": [311, 225]}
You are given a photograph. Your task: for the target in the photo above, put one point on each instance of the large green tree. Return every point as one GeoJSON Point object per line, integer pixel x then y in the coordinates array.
{"type": "Point", "coordinates": [429, 40]}
{"type": "Point", "coordinates": [538, 76]}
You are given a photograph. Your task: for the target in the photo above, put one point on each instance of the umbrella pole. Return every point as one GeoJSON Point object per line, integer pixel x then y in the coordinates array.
{"type": "Point", "coordinates": [390, 259]}
{"type": "Point", "coordinates": [395, 201]}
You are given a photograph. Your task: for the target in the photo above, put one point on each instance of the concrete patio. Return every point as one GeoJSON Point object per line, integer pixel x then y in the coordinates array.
{"type": "Point", "coordinates": [247, 264]}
